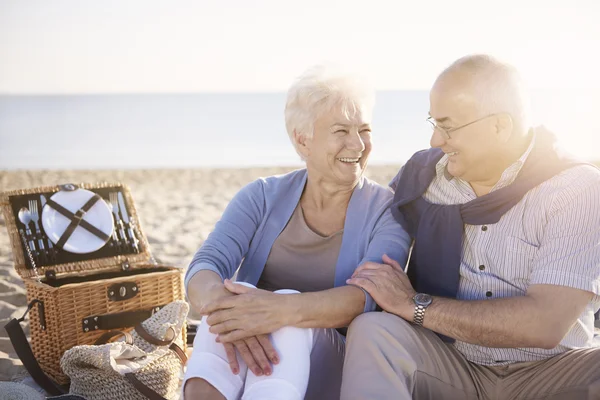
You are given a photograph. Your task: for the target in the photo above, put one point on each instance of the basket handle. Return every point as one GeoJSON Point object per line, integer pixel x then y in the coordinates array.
{"type": "Point", "coordinates": [23, 349]}
{"type": "Point", "coordinates": [142, 388]}
{"type": "Point", "coordinates": [144, 334]}
{"type": "Point", "coordinates": [106, 336]}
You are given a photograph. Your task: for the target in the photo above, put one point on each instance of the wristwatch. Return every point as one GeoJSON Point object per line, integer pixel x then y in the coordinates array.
{"type": "Point", "coordinates": [422, 301]}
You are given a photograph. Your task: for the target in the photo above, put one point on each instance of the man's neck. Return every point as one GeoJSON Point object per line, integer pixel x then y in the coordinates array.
{"type": "Point", "coordinates": [512, 155]}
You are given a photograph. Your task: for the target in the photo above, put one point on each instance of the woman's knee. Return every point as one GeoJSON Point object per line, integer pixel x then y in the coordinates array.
{"type": "Point", "coordinates": [286, 291]}
{"type": "Point", "coordinates": [246, 284]}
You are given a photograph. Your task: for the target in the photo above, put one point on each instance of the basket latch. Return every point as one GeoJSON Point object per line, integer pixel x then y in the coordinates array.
{"type": "Point", "coordinates": [122, 291]}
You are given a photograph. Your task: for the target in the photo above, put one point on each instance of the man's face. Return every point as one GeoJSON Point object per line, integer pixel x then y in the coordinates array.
{"type": "Point", "coordinates": [473, 150]}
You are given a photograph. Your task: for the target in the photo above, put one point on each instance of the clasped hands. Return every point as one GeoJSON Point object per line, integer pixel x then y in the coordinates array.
{"type": "Point", "coordinates": [388, 284]}
{"type": "Point", "coordinates": [243, 321]}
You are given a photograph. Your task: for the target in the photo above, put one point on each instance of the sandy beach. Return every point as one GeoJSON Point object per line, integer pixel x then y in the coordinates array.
{"type": "Point", "coordinates": [177, 208]}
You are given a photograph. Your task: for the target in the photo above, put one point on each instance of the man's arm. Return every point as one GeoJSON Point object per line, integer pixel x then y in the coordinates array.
{"type": "Point", "coordinates": [565, 276]}
{"type": "Point", "coordinates": [539, 319]}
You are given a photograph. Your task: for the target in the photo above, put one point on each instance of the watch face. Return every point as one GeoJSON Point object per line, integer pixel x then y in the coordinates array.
{"type": "Point", "coordinates": [422, 299]}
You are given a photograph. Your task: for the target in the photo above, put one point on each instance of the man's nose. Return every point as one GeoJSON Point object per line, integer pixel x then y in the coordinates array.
{"type": "Point", "coordinates": [438, 139]}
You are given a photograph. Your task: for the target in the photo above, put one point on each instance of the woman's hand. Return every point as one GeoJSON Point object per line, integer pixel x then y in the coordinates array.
{"type": "Point", "coordinates": [251, 313]}
{"type": "Point", "coordinates": [256, 352]}
{"type": "Point", "coordinates": [387, 284]}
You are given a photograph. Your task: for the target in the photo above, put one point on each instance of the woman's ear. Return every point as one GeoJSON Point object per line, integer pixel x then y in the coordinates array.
{"type": "Point", "coordinates": [302, 143]}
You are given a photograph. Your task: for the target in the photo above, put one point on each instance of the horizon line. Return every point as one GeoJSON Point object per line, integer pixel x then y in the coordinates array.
{"type": "Point", "coordinates": [8, 94]}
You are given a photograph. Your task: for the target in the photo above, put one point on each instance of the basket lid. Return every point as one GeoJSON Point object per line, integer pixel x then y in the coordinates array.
{"type": "Point", "coordinates": [71, 229]}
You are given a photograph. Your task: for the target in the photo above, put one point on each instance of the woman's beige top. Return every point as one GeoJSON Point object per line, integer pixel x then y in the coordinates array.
{"type": "Point", "coordinates": [301, 259]}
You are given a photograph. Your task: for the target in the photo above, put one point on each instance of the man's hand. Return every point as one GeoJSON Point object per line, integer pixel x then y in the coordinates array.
{"type": "Point", "coordinates": [252, 312]}
{"type": "Point", "coordinates": [255, 351]}
{"type": "Point", "coordinates": [388, 285]}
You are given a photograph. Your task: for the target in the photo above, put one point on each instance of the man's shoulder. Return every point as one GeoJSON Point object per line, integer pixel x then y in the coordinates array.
{"type": "Point", "coordinates": [425, 157]}
{"type": "Point", "coordinates": [573, 187]}
{"type": "Point", "coordinates": [373, 194]}
{"type": "Point", "coordinates": [577, 178]}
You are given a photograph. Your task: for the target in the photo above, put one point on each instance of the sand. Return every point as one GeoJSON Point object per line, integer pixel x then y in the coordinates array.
{"type": "Point", "coordinates": [177, 209]}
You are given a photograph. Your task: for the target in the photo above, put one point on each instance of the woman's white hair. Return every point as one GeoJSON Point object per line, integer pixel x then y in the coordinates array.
{"type": "Point", "coordinates": [317, 91]}
{"type": "Point", "coordinates": [498, 86]}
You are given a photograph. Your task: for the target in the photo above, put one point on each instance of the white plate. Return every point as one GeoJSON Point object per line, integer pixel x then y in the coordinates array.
{"type": "Point", "coordinates": [81, 241]}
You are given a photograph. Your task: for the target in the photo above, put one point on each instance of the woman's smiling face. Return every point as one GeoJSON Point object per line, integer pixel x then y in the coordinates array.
{"type": "Point", "coordinates": [340, 146]}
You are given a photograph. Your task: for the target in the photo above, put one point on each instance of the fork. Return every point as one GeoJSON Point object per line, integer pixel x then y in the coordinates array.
{"type": "Point", "coordinates": [35, 217]}
{"type": "Point", "coordinates": [114, 202]}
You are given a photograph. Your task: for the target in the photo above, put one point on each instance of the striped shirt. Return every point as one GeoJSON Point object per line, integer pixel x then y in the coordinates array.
{"type": "Point", "coordinates": [552, 236]}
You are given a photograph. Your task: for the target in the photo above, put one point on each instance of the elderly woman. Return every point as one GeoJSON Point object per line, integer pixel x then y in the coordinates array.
{"type": "Point", "coordinates": [298, 238]}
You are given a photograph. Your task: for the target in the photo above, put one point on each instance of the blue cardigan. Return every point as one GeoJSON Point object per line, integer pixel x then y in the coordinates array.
{"type": "Point", "coordinates": [260, 211]}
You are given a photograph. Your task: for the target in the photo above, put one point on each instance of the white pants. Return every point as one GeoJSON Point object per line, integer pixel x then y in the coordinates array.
{"type": "Point", "coordinates": [293, 378]}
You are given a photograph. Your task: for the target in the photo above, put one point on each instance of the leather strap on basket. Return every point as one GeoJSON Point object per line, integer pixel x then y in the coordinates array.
{"type": "Point", "coordinates": [131, 378]}
{"type": "Point", "coordinates": [77, 220]}
{"type": "Point", "coordinates": [23, 349]}
{"type": "Point", "coordinates": [142, 388]}
{"type": "Point", "coordinates": [144, 334]}
{"type": "Point", "coordinates": [106, 336]}
{"type": "Point", "coordinates": [179, 352]}
{"type": "Point", "coordinates": [117, 320]}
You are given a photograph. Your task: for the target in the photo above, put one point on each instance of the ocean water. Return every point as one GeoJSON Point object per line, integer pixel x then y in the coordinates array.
{"type": "Point", "coordinates": [219, 130]}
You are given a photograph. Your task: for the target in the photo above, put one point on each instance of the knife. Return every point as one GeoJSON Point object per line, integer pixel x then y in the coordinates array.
{"type": "Point", "coordinates": [125, 216]}
{"type": "Point", "coordinates": [51, 250]}
{"type": "Point", "coordinates": [43, 202]}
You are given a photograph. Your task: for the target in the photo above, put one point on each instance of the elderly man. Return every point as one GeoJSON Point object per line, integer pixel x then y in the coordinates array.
{"type": "Point", "coordinates": [499, 296]}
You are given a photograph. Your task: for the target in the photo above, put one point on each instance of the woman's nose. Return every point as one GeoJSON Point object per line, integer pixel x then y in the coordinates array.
{"type": "Point", "coordinates": [356, 142]}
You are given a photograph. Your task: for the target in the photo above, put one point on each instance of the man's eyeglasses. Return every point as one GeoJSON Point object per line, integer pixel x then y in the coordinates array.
{"type": "Point", "coordinates": [447, 131]}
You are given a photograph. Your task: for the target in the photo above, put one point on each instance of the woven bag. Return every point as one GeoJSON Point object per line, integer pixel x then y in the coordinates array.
{"type": "Point", "coordinates": [148, 364]}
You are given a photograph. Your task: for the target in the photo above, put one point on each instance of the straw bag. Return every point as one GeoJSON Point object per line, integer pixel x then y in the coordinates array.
{"type": "Point", "coordinates": [147, 365]}
{"type": "Point", "coordinates": [86, 280]}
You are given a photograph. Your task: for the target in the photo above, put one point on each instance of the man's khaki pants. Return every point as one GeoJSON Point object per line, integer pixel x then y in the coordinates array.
{"type": "Point", "coordinates": [389, 358]}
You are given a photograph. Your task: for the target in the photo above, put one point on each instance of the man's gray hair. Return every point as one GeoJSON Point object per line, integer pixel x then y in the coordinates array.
{"type": "Point", "coordinates": [498, 86]}
{"type": "Point", "coordinates": [317, 91]}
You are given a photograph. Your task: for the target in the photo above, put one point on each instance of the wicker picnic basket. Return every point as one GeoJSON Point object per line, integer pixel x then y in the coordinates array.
{"type": "Point", "coordinates": [75, 298]}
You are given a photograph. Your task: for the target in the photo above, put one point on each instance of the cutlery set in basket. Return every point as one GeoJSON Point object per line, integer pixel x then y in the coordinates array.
{"type": "Point", "coordinates": [87, 268]}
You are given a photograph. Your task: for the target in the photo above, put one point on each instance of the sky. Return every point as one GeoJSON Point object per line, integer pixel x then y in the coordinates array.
{"type": "Point", "coordinates": [150, 46]}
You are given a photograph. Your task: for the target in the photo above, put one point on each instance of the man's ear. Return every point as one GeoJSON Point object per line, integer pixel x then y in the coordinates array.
{"type": "Point", "coordinates": [504, 127]}
{"type": "Point", "coordinates": [302, 143]}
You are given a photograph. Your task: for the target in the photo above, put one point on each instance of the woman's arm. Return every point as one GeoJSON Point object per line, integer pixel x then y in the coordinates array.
{"type": "Point", "coordinates": [331, 308]}
{"type": "Point", "coordinates": [228, 243]}
{"type": "Point", "coordinates": [259, 312]}
{"type": "Point", "coordinates": [256, 312]}
{"type": "Point", "coordinates": [337, 307]}
{"type": "Point", "coordinates": [205, 287]}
